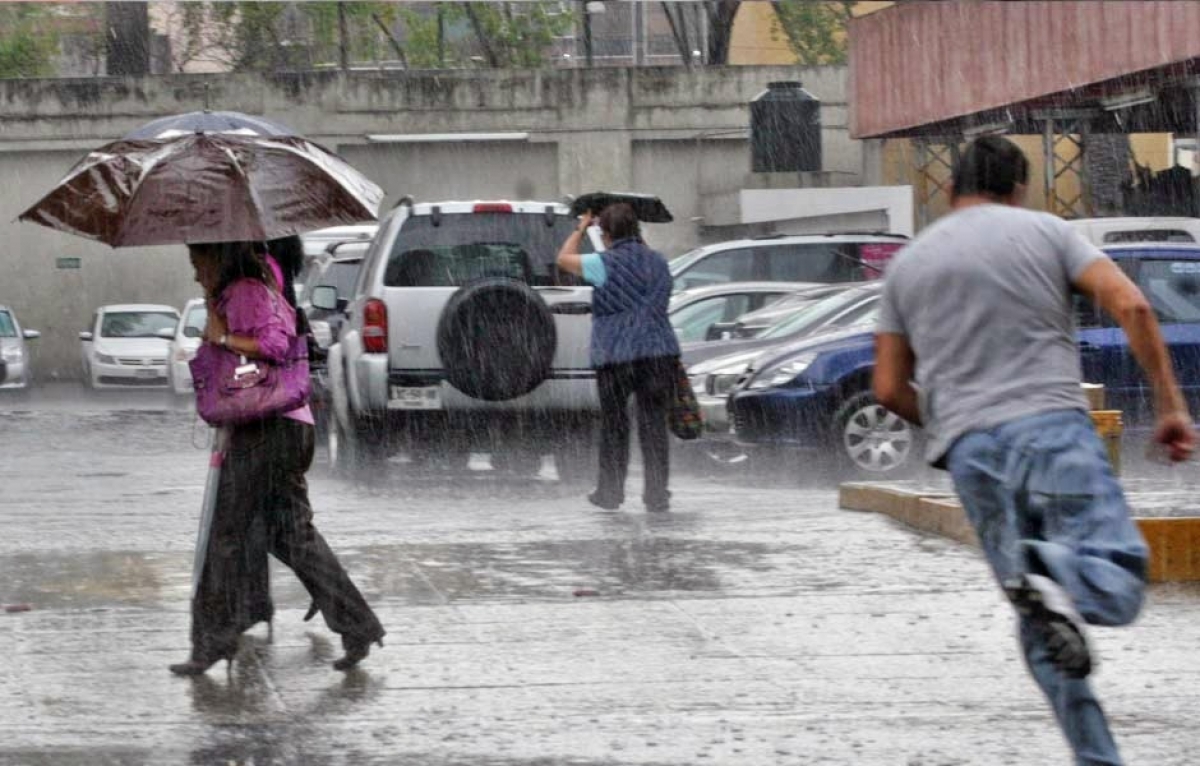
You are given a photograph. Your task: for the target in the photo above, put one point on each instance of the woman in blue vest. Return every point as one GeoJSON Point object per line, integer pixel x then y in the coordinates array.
{"type": "Point", "coordinates": [634, 351]}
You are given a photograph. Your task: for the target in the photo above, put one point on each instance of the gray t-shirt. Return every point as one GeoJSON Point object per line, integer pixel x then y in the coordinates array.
{"type": "Point", "coordinates": [984, 299]}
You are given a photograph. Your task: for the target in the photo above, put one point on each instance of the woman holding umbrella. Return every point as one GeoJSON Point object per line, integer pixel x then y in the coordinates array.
{"type": "Point", "coordinates": [262, 498]}
{"type": "Point", "coordinates": [634, 350]}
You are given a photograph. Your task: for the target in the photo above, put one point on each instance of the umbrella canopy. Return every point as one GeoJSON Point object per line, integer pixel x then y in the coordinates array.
{"type": "Point", "coordinates": [210, 122]}
{"type": "Point", "coordinates": [206, 187]}
{"type": "Point", "coordinates": [646, 207]}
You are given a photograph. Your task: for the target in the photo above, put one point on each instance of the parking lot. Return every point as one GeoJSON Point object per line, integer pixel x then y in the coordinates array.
{"type": "Point", "coordinates": [755, 624]}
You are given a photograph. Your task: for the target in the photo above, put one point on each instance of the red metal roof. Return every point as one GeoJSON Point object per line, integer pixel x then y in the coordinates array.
{"type": "Point", "coordinates": [923, 62]}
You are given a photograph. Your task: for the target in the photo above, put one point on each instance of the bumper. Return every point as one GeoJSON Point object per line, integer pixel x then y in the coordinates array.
{"type": "Point", "coordinates": [128, 376]}
{"type": "Point", "coordinates": [796, 417]}
{"type": "Point", "coordinates": [181, 378]}
{"type": "Point", "coordinates": [16, 375]}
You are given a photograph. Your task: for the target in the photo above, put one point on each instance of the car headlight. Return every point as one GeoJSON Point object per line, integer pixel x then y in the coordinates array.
{"type": "Point", "coordinates": [105, 359]}
{"type": "Point", "coordinates": [699, 382]}
{"type": "Point", "coordinates": [721, 383]}
{"type": "Point", "coordinates": [12, 354]}
{"type": "Point", "coordinates": [785, 372]}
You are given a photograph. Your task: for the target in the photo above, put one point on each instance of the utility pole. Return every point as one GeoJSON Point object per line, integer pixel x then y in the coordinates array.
{"type": "Point", "coordinates": [343, 38]}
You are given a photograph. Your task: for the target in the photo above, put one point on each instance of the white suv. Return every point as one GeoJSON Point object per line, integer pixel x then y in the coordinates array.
{"type": "Point", "coordinates": [819, 258]}
{"type": "Point", "coordinates": [463, 335]}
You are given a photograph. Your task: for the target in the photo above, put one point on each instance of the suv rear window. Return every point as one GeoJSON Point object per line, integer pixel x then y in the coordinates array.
{"type": "Point", "coordinates": [1149, 235]}
{"type": "Point", "coordinates": [469, 246]}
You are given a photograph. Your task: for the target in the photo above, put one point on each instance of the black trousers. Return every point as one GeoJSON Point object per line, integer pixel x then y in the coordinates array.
{"type": "Point", "coordinates": [262, 507]}
{"type": "Point", "coordinates": [652, 383]}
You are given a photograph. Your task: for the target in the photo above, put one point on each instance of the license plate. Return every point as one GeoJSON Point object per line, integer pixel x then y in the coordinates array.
{"type": "Point", "coordinates": [416, 398]}
{"type": "Point", "coordinates": [147, 373]}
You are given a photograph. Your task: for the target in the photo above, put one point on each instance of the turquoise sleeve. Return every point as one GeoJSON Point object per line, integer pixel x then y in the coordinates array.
{"type": "Point", "coordinates": [593, 269]}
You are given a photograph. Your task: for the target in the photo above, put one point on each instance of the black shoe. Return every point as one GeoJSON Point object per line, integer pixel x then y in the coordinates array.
{"type": "Point", "coordinates": [356, 651]}
{"type": "Point", "coordinates": [606, 502]}
{"type": "Point", "coordinates": [662, 507]}
{"type": "Point", "coordinates": [198, 666]}
{"type": "Point", "coordinates": [1049, 609]}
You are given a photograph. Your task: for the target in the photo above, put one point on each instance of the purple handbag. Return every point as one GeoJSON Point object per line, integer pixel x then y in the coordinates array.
{"type": "Point", "coordinates": [231, 389]}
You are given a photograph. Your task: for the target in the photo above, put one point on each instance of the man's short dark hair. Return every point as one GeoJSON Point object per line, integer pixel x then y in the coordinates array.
{"type": "Point", "coordinates": [619, 221]}
{"type": "Point", "coordinates": [991, 166]}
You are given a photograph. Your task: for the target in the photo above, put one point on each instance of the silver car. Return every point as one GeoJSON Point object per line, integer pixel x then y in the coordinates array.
{"type": "Point", "coordinates": [14, 351]}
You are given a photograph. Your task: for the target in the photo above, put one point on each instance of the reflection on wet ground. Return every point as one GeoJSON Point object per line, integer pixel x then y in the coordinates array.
{"type": "Point", "coordinates": [754, 624]}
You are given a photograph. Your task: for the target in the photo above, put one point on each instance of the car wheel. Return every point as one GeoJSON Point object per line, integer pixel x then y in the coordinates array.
{"type": "Point", "coordinates": [873, 441]}
{"type": "Point", "coordinates": [363, 446]}
{"type": "Point", "coordinates": [575, 457]}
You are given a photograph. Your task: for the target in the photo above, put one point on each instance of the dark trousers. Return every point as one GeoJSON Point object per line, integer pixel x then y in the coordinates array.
{"type": "Point", "coordinates": [652, 383]}
{"type": "Point", "coordinates": [262, 507]}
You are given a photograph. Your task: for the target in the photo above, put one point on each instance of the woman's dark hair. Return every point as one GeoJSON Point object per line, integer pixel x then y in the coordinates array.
{"type": "Point", "coordinates": [991, 166]}
{"type": "Point", "coordinates": [618, 221]}
{"type": "Point", "coordinates": [239, 260]}
{"type": "Point", "coordinates": [288, 252]}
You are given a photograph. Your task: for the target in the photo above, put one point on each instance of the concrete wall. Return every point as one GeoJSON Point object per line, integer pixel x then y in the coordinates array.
{"type": "Point", "coordinates": [679, 133]}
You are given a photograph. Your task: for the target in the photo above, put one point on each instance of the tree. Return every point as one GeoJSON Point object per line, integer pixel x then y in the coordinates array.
{"type": "Point", "coordinates": [816, 32]}
{"type": "Point", "coordinates": [27, 43]}
{"type": "Point", "coordinates": [721, 15]}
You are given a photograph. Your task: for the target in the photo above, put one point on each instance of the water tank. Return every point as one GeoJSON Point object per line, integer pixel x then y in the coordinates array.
{"type": "Point", "coordinates": [785, 129]}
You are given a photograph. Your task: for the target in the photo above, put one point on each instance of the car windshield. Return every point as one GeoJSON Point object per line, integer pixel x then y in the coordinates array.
{"type": "Point", "coordinates": [687, 259]}
{"type": "Point", "coordinates": [813, 315]}
{"type": "Point", "coordinates": [136, 324]}
{"type": "Point", "coordinates": [1173, 289]}
{"type": "Point", "coordinates": [8, 328]}
{"type": "Point", "coordinates": [464, 247]}
{"type": "Point", "coordinates": [342, 275]}
{"type": "Point", "coordinates": [197, 317]}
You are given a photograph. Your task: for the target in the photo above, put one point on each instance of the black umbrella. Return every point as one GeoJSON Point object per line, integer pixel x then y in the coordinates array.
{"type": "Point", "coordinates": [646, 207]}
{"type": "Point", "coordinates": [210, 122]}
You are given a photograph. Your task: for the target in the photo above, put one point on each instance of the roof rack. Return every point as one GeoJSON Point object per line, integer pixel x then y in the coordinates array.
{"type": "Point", "coordinates": [782, 234]}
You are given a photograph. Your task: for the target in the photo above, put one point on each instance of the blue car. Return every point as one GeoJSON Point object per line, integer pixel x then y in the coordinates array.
{"type": "Point", "coordinates": [816, 394]}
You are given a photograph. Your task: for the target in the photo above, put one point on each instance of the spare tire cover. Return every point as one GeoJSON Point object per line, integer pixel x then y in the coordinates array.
{"type": "Point", "coordinates": [497, 339]}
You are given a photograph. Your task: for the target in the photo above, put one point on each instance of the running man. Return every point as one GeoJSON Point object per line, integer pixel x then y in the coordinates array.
{"type": "Point", "coordinates": [976, 342]}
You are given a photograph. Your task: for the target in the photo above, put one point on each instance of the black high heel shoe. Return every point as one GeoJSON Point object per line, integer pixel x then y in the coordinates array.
{"type": "Point", "coordinates": [356, 651]}
{"type": "Point", "coordinates": [198, 667]}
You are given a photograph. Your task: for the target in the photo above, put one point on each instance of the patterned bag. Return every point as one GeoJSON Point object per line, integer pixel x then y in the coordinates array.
{"type": "Point", "coordinates": [684, 418]}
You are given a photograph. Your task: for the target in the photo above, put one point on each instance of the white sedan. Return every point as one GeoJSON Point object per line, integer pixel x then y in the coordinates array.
{"type": "Point", "coordinates": [126, 346]}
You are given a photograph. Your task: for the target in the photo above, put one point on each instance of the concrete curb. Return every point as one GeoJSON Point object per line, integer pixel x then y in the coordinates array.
{"type": "Point", "coordinates": [1174, 542]}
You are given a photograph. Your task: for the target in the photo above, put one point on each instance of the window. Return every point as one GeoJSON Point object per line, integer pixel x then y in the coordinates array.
{"type": "Point", "coordinates": [8, 328]}
{"type": "Point", "coordinates": [816, 262]}
{"type": "Point", "coordinates": [718, 269]}
{"type": "Point", "coordinates": [1149, 235]}
{"type": "Point", "coordinates": [814, 315]}
{"type": "Point", "coordinates": [342, 275]}
{"type": "Point", "coordinates": [1173, 289]}
{"type": "Point", "coordinates": [136, 324]}
{"type": "Point", "coordinates": [193, 324]}
{"type": "Point", "coordinates": [468, 246]}
{"type": "Point", "coordinates": [692, 322]}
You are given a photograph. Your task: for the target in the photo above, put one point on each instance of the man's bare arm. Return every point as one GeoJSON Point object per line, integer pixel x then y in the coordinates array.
{"type": "Point", "coordinates": [894, 368]}
{"type": "Point", "coordinates": [1121, 299]}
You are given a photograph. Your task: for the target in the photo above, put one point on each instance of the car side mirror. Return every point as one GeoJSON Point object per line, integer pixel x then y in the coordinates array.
{"type": "Point", "coordinates": [86, 335]}
{"type": "Point", "coordinates": [192, 332]}
{"type": "Point", "coordinates": [166, 333]}
{"type": "Point", "coordinates": [720, 331]}
{"type": "Point", "coordinates": [343, 304]}
{"type": "Point", "coordinates": [31, 334]}
{"type": "Point", "coordinates": [325, 297]}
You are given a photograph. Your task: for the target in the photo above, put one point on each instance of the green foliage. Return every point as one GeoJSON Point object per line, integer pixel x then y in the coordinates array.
{"type": "Point", "coordinates": [815, 31]}
{"type": "Point", "coordinates": [27, 43]}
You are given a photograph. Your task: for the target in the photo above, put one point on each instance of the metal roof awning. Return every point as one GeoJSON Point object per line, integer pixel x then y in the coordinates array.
{"type": "Point", "coordinates": [924, 68]}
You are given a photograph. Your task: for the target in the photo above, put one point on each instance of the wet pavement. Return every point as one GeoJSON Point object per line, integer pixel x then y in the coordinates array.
{"type": "Point", "coordinates": [755, 624]}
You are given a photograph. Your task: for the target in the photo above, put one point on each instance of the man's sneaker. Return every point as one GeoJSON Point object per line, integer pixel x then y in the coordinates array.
{"type": "Point", "coordinates": [1051, 612]}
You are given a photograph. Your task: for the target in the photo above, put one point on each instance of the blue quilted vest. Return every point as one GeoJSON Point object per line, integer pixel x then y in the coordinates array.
{"type": "Point", "coordinates": [629, 311]}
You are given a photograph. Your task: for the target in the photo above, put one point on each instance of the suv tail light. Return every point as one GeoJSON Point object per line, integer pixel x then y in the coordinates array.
{"type": "Point", "coordinates": [375, 327]}
{"type": "Point", "coordinates": [492, 207]}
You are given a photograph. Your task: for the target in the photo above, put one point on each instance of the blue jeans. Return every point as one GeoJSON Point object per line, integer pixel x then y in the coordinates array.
{"type": "Point", "coordinates": [1042, 497]}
